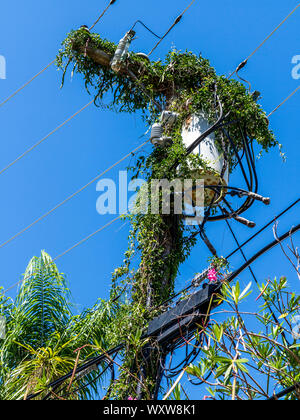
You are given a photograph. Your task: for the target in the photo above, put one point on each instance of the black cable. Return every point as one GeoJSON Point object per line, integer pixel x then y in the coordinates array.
{"type": "Point", "coordinates": [240, 247]}
{"type": "Point", "coordinates": [252, 171]}
{"type": "Point", "coordinates": [284, 392]}
{"type": "Point", "coordinates": [246, 242]}
{"type": "Point", "coordinates": [77, 378]}
{"type": "Point", "coordinates": [250, 164]}
{"type": "Point", "coordinates": [263, 228]}
{"type": "Point", "coordinates": [93, 380]}
{"type": "Point", "coordinates": [255, 279]}
{"type": "Point", "coordinates": [249, 186]}
{"type": "Point", "coordinates": [190, 149]}
{"type": "Point", "coordinates": [229, 279]}
{"type": "Point", "coordinates": [241, 251]}
{"type": "Point", "coordinates": [94, 361]}
{"type": "Point", "coordinates": [267, 248]}
{"type": "Point", "coordinates": [252, 159]}
{"type": "Point", "coordinates": [249, 201]}
{"type": "Point", "coordinates": [199, 383]}
{"type": "Point", "coordinates": [174, 371]}
{"type": "Point", "coordinates": [177, 20]}
{"type": "Point", "coordinates": [146, 27]}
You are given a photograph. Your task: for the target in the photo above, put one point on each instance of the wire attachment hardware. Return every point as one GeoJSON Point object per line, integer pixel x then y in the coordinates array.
{"type": "Point", "coordinates": [240, 193]}
{"type": "Point", "coordinates": [199, 278]}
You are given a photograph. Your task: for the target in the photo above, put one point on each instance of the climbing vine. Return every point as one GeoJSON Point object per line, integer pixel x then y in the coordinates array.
{"type": "Point", "coordinates": [183, 82]}
{"type": "Point", "coordinates": [187, 84]}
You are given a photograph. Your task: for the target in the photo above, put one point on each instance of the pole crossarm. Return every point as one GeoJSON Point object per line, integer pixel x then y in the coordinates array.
{"type": "Point", "coordinates": [97, 55]}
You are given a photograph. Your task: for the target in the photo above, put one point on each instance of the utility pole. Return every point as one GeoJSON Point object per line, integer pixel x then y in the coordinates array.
{"type": "Point", "coordinates": [191, 106]}
{"type": "Point", "coordinates": [154, 290]}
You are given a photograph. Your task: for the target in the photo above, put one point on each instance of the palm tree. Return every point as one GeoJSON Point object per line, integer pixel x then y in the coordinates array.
{"type": "Point", "coordinates": [42, 335]}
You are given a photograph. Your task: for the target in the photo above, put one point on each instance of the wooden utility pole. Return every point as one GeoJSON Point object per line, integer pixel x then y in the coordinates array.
{"type": "Point", "coordinates": [149, 373]}
{"type": "Point", "coordinates": [159, 262]}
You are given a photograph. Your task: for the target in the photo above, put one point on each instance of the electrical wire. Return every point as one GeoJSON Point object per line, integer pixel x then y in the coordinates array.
{"type": "Point", "coordinates": [255, 279]}
{"type": "Point", "coordinates": [71, 248]}
{"type": "Point", "coordinates": [283, 102]}
{"type": "Point", "coordinates": [92, 381]}
{"type": "Point", "coordinates": [238, 248]}
{"type": "Point", "coordinates": [70, 197]}
{"type": "Point", "coordinates": [102, 14]}
{"type": "Point", "coordinates": [30, 149]}
{"type": "Point", "coordinates": [229, 278]}
{"type": "Point", "coordinates": [170, 372]}
{"type": "Point", "coordinates": [87, 238]}
{"type": "Point", "coordinates": [243, 63]}
{"type": "Point", "coordinates": [27, 83]}
{"type": "Point", "coordinates": [267, 248]}
{"type": "Point", "coordinates": [284, 392]}
{"type": "Point", "coordinates": [263, 228]}
{"type": "Point", "coordinates": [50, 64]}
{"type": "Point", "coordinates": [252, 173]}
{"type": "Point", "coordinates": [177, 20]}
{"type": "Point", "coordinates": [91, 362]}
{"type": "Point", "coordinates": [146, 27]}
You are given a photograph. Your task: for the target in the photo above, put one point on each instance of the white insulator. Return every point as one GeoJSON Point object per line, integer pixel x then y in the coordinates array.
{"type": "Point", "coordinates": [122, 51]}
{"type": "Point", "coordinates": [194, 126]}
{"type": "Point", "coordinates": [169, 117]}
{"type": "Point", "coordinates": [156, 134]}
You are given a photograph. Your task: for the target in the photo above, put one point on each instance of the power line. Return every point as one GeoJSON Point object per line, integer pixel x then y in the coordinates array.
{"type": "Point", "coordinates": [71, 248]}
{"type": "Point", "coordinates": [283, 102]}
{"type": "Point", "coordinates": [177, 20]}
{"type": "Point", "coordinates": [102, 14]}
{"type": "Point", "coordinates": [146, 27]}
{"type": "Point", "coordinates": [285, 392]}
{"type": "Point", "coordinates": [27, 83]}
{"type": "Point", "coordinates": [87, 238]}
{"type": "Point", "coordinates": [261, 252]}
{"type": "Point", "coordinates": [263, 228]}
{"type": "Point", "coordinates": [243, 63]}
{"type": "Point", "coordinates": [44, 138]}
{"type": "Point", "coordinates": [71, 196]}
{"type": "Point", "coordinates": [51, 62]}
{"type": "Point", "coordinates": [94, 361]}
{"type": "Point", "coordinates": [255, 278]}
{"type": "Point", "coordinates": [97, 360]}
{"type": "Point", "coordinates": [241, 246]}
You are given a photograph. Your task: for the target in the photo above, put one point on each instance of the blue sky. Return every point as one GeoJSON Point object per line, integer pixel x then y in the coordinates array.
{"type": "Point", "coordinates": [31, 33]}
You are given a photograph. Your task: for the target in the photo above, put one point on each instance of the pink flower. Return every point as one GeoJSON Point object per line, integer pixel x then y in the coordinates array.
{"type": "Point", "coordinates": [132, 399]}
{"type": "Point", "coordinates": [212, 275]}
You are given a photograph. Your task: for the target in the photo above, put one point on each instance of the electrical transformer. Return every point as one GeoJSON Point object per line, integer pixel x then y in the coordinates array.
{"type": "Point", "coordinates": [193, 128]}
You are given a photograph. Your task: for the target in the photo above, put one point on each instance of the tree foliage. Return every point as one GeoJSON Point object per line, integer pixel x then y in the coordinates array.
{"type": "Point", "coordinates": [248, 355]}
{"type": "Point", "coordinates": [42, 334]}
